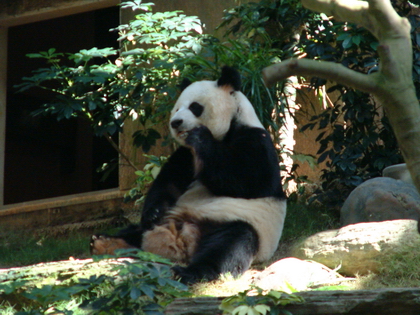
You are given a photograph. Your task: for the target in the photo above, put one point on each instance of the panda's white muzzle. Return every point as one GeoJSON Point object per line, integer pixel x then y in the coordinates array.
{"type": "Point", "coordinates": [181, 123]}
{"type": "Point", "coordinates": [176, 125]}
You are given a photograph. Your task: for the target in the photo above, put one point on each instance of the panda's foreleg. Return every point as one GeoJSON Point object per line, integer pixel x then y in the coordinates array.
{"type": "Point", "coordinates": [229, 248]}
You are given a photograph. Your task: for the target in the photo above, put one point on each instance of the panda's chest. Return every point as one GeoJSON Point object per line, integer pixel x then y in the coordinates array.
{"type": "Point", "coordinates": [198, 163]}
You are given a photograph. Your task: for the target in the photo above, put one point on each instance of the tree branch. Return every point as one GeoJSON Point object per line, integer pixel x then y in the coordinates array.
{"type": "Point", "coordinates": [121, 153]}
{"type": "Point", "coordinates": [392, 85]}
{"type": "Point", "coordinates": [326, 70]}
{"type": "Point", "coordinates": [344, 10]}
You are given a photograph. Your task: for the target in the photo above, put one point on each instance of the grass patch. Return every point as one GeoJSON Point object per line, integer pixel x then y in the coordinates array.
{"type": "Point", "coordinates": [227, 285]}
{"type": "Point", "coordinates": [303, 221]}
{"type": "Point", "coordinates": [399, 269]}
{"type": "Point", "coordinates": [23, 249]}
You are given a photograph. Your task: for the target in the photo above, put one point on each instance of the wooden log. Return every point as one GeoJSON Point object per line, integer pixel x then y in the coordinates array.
{"type": "Point", "coordinates": [395, 301]}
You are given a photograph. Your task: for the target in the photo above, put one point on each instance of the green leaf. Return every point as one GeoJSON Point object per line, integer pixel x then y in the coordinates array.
{"type": "Point", "coordinates": [85, 55]}
{"type": "Point", "coordinates": [356, 39]}
{"type": "Point", "coordinates": [242, 310]}
{"type": "Point", "coordinates": [135, 293]}
{"type": "Point", "coordinates": [347, 42]}
{"type": "Point", "coordinates": [147, 290]}
{"type": "Point", "coordinates": [262, 309]}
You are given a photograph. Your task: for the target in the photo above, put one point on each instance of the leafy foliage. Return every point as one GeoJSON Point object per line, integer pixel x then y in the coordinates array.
{"type": "Point", "coordinates": [145, 178]}
{"type": "Point", "coordinates": [142, 286]}
{"type": "Point", "coordinates": [357, 141]}
{"type": "Point", "coordinates": [258, 302]}
{"type": "Point", "coordinates": [355, 137]}
{"type": "Point", "coordinates": [139, 83]}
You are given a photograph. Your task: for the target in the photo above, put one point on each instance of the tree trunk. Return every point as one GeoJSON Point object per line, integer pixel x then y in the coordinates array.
{"type": "Point", "coordinates": [392, 85]}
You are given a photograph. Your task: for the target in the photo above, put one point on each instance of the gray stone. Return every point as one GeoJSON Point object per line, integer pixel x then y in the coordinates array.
{"type": "Point", "coordinates": [355, 249]}
{"type": "Point", "coordinates": [398, 171]}
{"type": "Point", "coordinates": [381, 199]}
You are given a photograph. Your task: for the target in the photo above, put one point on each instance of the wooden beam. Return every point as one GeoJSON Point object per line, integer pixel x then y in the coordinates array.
{"type": "Point", "coordinates": [3, 100]}
{"type": "Point", "coordinates": [400, 301]}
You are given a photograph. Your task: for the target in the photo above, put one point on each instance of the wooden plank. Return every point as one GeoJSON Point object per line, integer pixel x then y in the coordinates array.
{"type": "Point", "coordinates": [47, 213]}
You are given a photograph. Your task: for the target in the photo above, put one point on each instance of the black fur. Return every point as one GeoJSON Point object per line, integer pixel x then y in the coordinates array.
{"type": "Point", "coordinates": [240, 244]}
{"type": "Point", "coordinates": [243, 165]}
{"type": "Point", "coordinates": [173, 180]}
{"type": "Point", "coordinates": [230, 77]}
{"type": "Point", "coordinates": [196, 108]}
{"type": "Point", "coordinates": [184, 84]}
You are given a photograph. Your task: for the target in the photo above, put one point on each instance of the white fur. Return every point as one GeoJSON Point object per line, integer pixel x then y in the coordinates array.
{"type": "Point", "coordinates": [266, 215]}
{"type": "Point", "coordinates": [221, 105]}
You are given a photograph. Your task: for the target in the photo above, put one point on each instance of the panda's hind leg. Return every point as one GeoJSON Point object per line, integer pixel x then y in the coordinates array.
{"type": "Point", "coordinates": [226, 248]}
{"type": "Point", "coordinates": [102, 244]}
{"type": "Point", "coordinates": [106, 245]}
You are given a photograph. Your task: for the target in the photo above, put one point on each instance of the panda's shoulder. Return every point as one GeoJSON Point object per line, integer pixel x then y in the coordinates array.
{"type": "Point", "coordinates": [239, 131]}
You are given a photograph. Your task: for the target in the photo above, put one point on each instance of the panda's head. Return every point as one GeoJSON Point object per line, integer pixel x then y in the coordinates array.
{"type": "Point", "coordinates": [213, 104]}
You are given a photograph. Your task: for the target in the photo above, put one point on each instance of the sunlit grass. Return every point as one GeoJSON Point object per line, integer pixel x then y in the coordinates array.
{"type": "Point", "coordinates": [225, 286]}
{"type": "Point", "coordinates": [399, 269]}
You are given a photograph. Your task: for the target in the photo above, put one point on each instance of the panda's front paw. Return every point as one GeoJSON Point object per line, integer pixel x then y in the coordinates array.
{"type": "Point", "coordinates": [184, 276]}
{"type": "Point", "coordinates": [198, 136]}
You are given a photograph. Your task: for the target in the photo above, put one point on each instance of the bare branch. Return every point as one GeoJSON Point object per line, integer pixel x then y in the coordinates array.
{"type": "Point", "coordinates": [116, 147]}
{"type": "Point", "coordinates": [345, 10]}
{"type": "Point", "coordinates": [326, 70]}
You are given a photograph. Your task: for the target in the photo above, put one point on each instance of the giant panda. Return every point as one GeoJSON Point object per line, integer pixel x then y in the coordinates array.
{"type": "Point", "coordinates": [217, 205]}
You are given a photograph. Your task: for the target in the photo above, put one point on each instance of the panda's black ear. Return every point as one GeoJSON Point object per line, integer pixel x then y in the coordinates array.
{"type": "Point", "coordinates": [184, 84]}
{"type": "Point", "coordinates": [230, 77]}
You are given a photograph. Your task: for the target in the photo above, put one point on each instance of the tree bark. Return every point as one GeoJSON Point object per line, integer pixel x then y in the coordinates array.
{"type": "Point", "coordinates": [392, 85]}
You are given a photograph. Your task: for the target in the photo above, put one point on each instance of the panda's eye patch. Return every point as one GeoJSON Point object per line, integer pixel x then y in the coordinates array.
{"type": "Point", "coordinates": [196, 109]}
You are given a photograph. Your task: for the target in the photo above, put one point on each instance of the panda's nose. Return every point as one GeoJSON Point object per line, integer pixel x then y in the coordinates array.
{"type": "Point", "coordinates": [176, 123]}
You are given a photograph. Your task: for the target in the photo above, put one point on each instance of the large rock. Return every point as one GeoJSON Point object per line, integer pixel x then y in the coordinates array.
{"type": "Point", "coordinates": [381, 199]}
{"type": "Point", "coordinates": [357, 247]}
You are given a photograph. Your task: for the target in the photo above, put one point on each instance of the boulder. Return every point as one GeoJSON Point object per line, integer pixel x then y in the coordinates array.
{"type": "Point", "coordinates": [381, 199]}
{"type": "Point", "coordinates": [355, 249]}
{"type": "Point", "coordinates": [299, 274]}
{"type": "Point", "coordinates": [398, 171]}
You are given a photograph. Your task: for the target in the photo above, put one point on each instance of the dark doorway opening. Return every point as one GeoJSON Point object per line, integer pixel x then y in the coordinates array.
{"type": "Point", "coordinates": [45, 158]}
